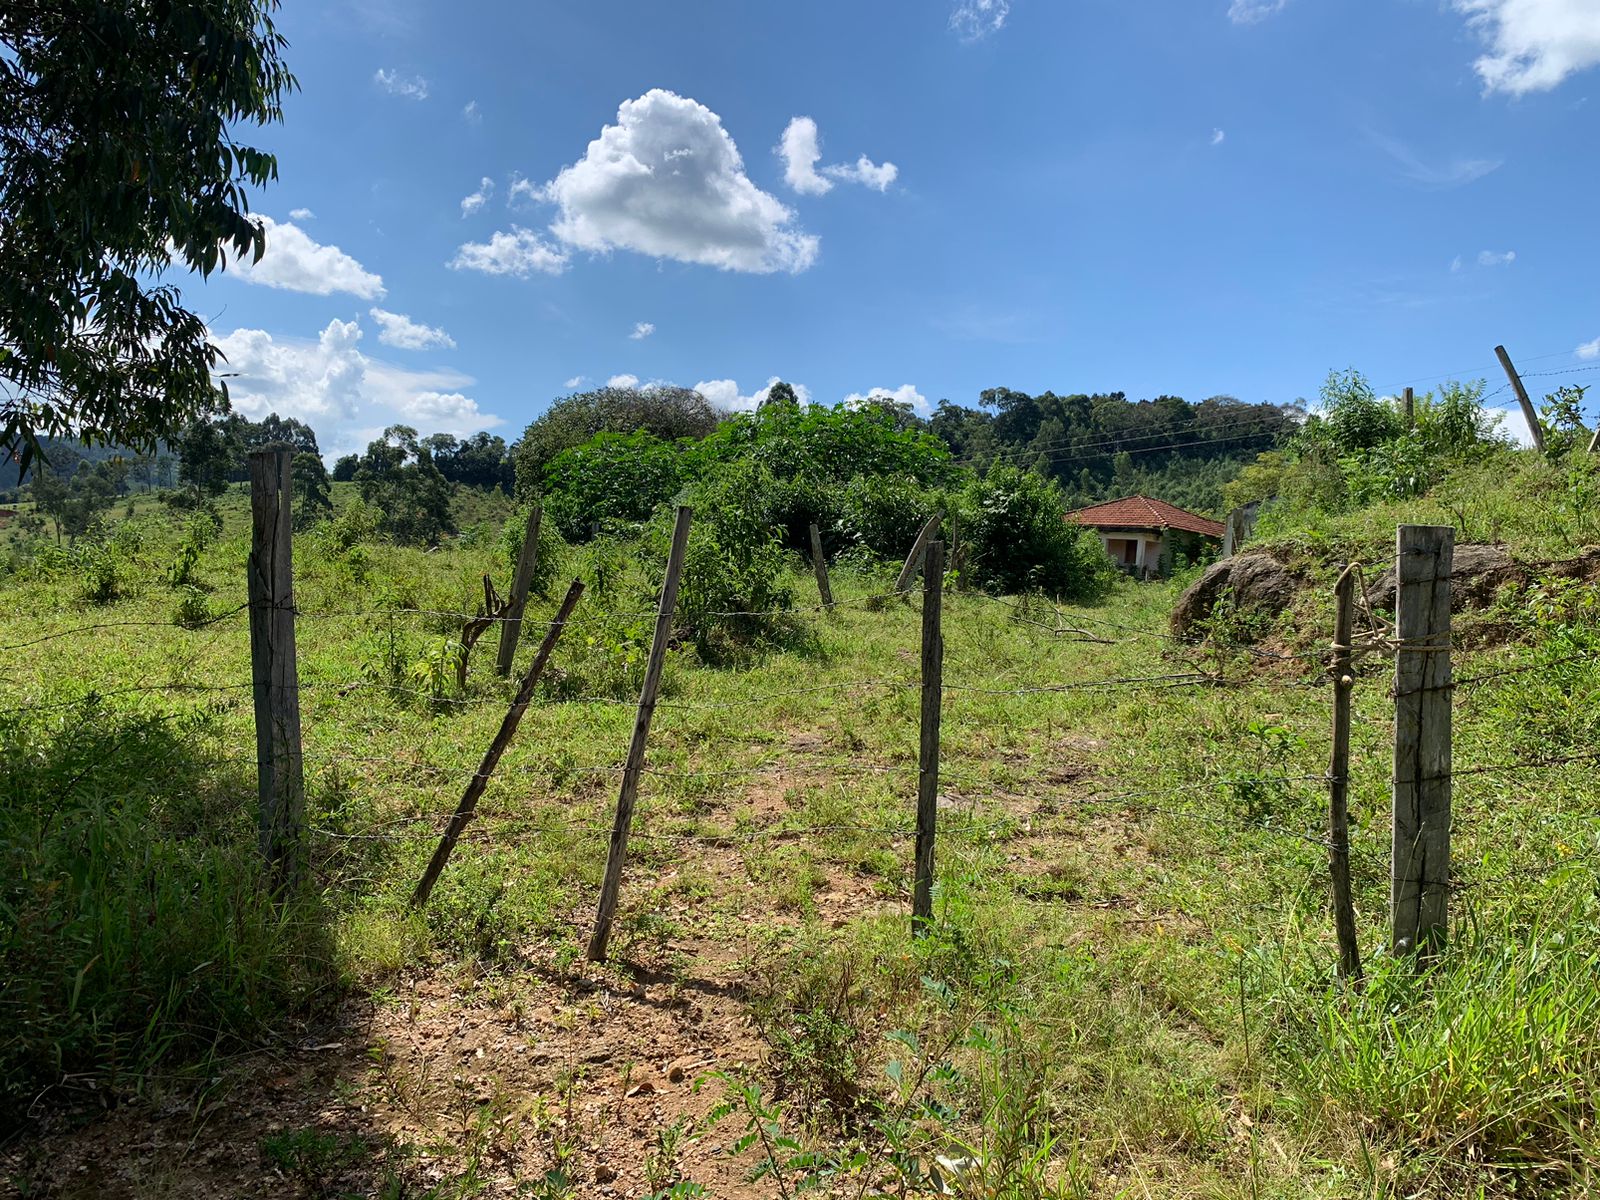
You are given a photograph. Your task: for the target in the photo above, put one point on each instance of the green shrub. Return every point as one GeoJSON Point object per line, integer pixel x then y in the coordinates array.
{"type": "Point", "coordinates": [733, 567]}
{"type": "Point", "coordinates": [96, 568]}
{"type": "Point", "coordinates": [884, 515]}
{"type": "Point", "coordinates": [552, 550]}
{"type": "Point", "coordinates": [1015, 524]}
{"type": "Point", "coordinates": [612, 482]}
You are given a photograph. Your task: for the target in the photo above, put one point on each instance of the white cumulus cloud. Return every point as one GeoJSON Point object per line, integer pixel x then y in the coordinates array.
{"type": "Point", "coordinates": [520, 252]}
{"type": "Point", "coordinates": [1589, 350]}
{"type": "Point", "coordinates": [667, 180]}
{"type": "Point", "coordinates": [904, 394]}
{"type": "Point", "coordinates": [641, 330]}
{"type": "Point", "coordinates": [1248, 12]}
{"type": "Point", "coordinates": [412, 87]}
{"type": "Point", "coordinates": [974, 19]}
{"type": "Point", "coordinates": [1533, 44]}
{"type": "Point", "coordinates": [471, 204]}
{"type": "Point", "coordinates": [296, 263]}
{"type": "Point", "coordinates": [400, 331]}
{"type": "Point", "coordinates": [725, 394]}
{"type": "Point", "coordinates": [347, 397]}
{"type": "Point", "coordinates": [801, 150]}
{"type": "Point", "coordinates": [623, 381]}
{"type": "Point", "coordinates": [575, 382]}
{"type": "Point", "coordinates": [302, 214]}
{"type": "Point", "coordinates": [1496, 258]}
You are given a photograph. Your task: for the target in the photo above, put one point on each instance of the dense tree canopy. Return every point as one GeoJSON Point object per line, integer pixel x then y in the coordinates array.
{"type": "Point", "coordinates": [668, 413]}
{"type": "Point", "coordinates": [117, 156]}
{"type": "Point", "coordinates": [1102, 446]}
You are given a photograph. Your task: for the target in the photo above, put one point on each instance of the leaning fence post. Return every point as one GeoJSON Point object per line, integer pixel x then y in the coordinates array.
{"type": "Point", "coordinates": [275, 677]}
{"type": "Point", "coordinates": [909, 571]}
{"type": "Point", "coordinates": [1420, 872]}
{"type": "Point", "coordinates": [521, 582]}
{"type": "Point", "coordinates": [629, 791]}
{"type": "Point", "coordinates": [1535, 430]}
{"type": "Point", "coordinates": [928, 751]}
{"type": "Point", "coordinates": [1344, 913]}
{"type": "Point", "coordinates": [491, 759]}
{"type": "Point", "coordinates": [820, 564]}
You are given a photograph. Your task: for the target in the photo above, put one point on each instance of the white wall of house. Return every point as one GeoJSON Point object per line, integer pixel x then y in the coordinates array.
{"type": "Point", "coordinates": [1140, 549]}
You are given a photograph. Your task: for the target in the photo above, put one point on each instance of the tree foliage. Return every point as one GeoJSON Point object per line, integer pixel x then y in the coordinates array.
{"type": "Point", "coordinates": [613, 480]}
{"type": "Point", "coordinates": [668, 413]}
{"type": "Point", "coordinates": [1015, 522]}
{"type": "Point", "coordinates": [118, 155]}
{"type": "Point", "coordinates": [397, 477]}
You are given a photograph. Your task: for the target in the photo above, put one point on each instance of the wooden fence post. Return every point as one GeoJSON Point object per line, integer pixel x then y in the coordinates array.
{"type": "Point", "coordinates": [521, 582]}
{"type": "Point", "coordinates": [1420, 872]}
{"type": "Point", "coordinates": [629, 792]}
{"type": "Point", "coordinates": [275, 677]}
{"type": "Point", "coordinates": [491, 759]}
{"type": "Point", "coordinates": [928, 751]}
{"type": "Point", "coordinates": [1344, 913]}
{"type": "Point", "coordinates": [909, 571]}
{"type": "Point", "coordinates": [820, 564]}
{"type": "Point", "coordinates": [1409, 407]}
{"type": "Point", "coordinates": [1522, 398]}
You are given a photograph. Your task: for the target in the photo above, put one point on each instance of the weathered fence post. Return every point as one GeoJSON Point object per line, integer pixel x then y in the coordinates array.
{"type": "Point", "coordinates": [275, 677]}
{"type": "Point", "coordinates": [1528, 414]}
{"type": "Point", "coordinates": [1408, 406]}
{"type": "Point", "coordinates": [820, 564]}
{"type": "Point", "coordinates": [521, 582]}
{"type": "Point", "coordinates": [928, 751]}
{"type": "Point", "coordinates": [629, 791]}
{"type": "Point", "coordinates": [1344, 913]}
{"type": "Point", "coordinates": [1420, 873]}
{"type": "Point", "coordinates": [491, 759]}
{"type": "Point", "coordinates": [909, 571]}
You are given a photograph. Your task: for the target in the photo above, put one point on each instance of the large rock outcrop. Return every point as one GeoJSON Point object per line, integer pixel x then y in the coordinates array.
{"type": "Point", "coordinates": [1255, 582]}
{"type": "Point", "coordinates": [1478, 572]}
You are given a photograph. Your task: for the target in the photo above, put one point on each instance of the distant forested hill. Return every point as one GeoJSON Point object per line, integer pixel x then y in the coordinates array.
{"type": "Point", "coordinates": [67, 450]}
{"type": "Point", "coordinates": [1107, 445]}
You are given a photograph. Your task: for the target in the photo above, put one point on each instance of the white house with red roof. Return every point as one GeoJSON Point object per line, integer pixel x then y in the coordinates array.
{"type": "Point", "coordinates": [1141, 534]}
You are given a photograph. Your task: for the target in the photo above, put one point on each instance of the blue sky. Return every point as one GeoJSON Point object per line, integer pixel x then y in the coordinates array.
{"type": "Point", "coordinates": [485, 206]}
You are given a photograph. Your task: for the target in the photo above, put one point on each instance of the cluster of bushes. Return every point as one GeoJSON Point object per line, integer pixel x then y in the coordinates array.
{"type": "Point", "coordinates": [860, 474]}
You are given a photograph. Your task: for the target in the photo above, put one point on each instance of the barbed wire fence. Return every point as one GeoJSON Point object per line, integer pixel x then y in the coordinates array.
{"type": "Point", "coordinates": [971, 805]}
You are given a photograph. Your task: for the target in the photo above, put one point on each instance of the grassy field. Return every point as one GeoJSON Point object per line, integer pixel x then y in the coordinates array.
{"type": "Point", "coordinates": [1129, 989]}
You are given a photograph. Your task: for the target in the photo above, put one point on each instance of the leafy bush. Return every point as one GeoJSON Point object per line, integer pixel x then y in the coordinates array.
{"type": "Point", "coordinates": [96, 568]}
{"type": "Point", "coordinates": [1015, 523]}
{"type": "Point", "coordinates": [613, 481]}
{"type": "Point", "coordinates": [733, 566]}
{"type": "Point", "coordinates": [552, 550]}
{"type": "Point", "coordinates": [884, 515]}
{"type": "Point", "coordinates": [667, 413]}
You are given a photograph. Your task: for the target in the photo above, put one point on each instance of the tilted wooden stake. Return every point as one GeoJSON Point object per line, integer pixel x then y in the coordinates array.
{"type": "Point", "coordinates": [1528, 414]}
{"type": "Point", "coordinates": [1344, 913]}
{"type": "Point", "coordinates": [909, 571]}
{"type": "Point", "coordinates": [508, 728]}
{"type": "Point", "coordinates": [928, 750]}
{"type": "Point", "coordinates": [820, 564]}
{"type": "Point", "coordinates": [511, 620]}
{"type": "Point", "coordinates": [629, 792]}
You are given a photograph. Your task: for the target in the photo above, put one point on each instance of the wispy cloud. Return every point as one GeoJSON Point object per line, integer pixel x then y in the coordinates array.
{"type": "Point", "coordinates": [972, 20]}
{"type": "Point", "coordinates": [1248, 12]}
{"type": "Point", "coordinates": [1218, 136]}
{"type": "Point", "coordinates": [575, 382]}
{"type": "Point", "coordinates": [641, 330]}
{"type": "Point", "coordinates": [1455, 172]}
{"type": "Point", "coordinates": [412, 87]}
{"type": "Point", "coordinates": [1589, 350]}
{"type": "Point", "coordinates": [471, 113]}
{"type": "Point", "coordinates": [1496, 258]}
{"type": "Point", "coordinates": [476, 201]}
